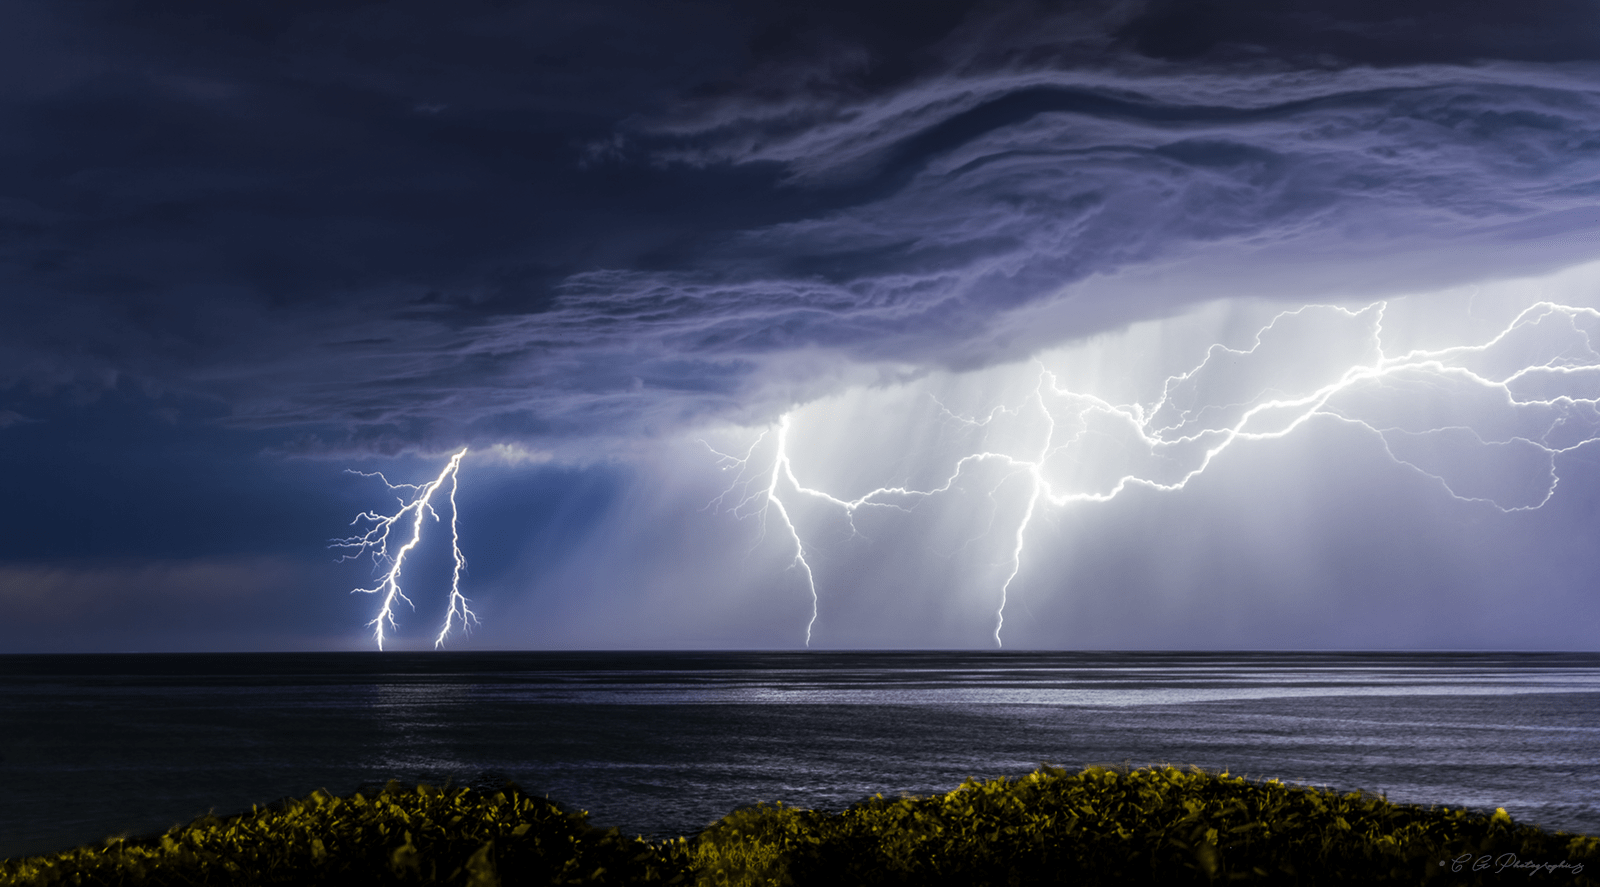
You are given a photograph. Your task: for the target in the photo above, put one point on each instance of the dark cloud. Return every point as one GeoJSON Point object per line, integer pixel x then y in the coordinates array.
{"type": "Point", "coordinates": [151, 605]}
{"type": "Point", "coordinates": [566, 233]}
{"type": "Point", "coordinates": [1365, 32]}
{"type": "Point", "coordinates": [392, 222]}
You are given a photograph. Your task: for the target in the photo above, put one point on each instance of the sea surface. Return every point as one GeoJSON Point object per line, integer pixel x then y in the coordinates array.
{"type": "Point", "coordinates": [662, 744]}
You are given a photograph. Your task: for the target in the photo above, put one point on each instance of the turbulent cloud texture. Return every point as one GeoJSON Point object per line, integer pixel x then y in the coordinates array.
{"type": "Point", "coordinates": [575, 237]}
{"type": "Point", "coordinates": [395, 226]}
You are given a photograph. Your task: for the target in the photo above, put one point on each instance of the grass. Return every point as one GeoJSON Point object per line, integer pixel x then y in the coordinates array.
{"type": "Point", "coordinates": [1098, 826]}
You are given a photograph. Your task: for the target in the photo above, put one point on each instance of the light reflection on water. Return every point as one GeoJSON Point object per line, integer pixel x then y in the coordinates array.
{"type": "Point", "coordinates": [663, 694]}
{"type": "Point", "coordinates": [665, 743]}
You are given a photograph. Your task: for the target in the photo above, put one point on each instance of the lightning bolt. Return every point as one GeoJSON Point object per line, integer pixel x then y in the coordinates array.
{"type": "Point", "coordinates": [1537, 382]}
{"type": "Point", "coordinates": [376, 540]}
{"type": "Point", "coordinates": [769, 499]}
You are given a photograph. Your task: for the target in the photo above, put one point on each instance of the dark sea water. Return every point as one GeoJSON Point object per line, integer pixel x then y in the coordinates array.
{"type": "Point", "coordinates": [664, 743]}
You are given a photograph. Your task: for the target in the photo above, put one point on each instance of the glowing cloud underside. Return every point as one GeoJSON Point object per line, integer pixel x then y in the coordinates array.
{"type": "Point", "coordinates": [377, 539]}
{"type": "Point", "coordinates": [1484, 422]}
{"type": "Point", "coordinates": [1469, 417]}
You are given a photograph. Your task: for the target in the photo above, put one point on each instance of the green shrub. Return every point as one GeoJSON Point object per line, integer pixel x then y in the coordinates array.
{"type": "Point", "coordinates": [1106, 826]}
{"type": "Point", "coordinates": [401, 836]}
{"type": "Point", "coordinates": [1100, 826]}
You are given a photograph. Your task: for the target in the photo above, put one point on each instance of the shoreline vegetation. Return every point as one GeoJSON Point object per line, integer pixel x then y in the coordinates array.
{"type": "Point", "coordinates": [1098, 826]}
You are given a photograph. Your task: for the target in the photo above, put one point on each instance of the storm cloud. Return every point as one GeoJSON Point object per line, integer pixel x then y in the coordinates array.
{"type": "Point", "coordinates": [394, 226]}
{"type": "Point", "coordinates": [577, 237]}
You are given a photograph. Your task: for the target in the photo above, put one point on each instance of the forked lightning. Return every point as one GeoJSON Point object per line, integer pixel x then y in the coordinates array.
{"type": "Point", "coordinates": [1541, 374]}
{"type": "Point", "coordinates": [377, 539]}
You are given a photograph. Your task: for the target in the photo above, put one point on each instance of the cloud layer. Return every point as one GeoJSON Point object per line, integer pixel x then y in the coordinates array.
{"type": "Point", "coordinates": [578, 236]}
{"type": "Point", "coordinates": [393, 227]}
{"type": "Point", "coordinates": [1409, 475]}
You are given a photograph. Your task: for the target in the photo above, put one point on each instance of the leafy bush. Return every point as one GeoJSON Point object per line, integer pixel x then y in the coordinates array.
{"type": "Point", "coordinates": [1100, 826]}
{"type": "Point", "coordinates": [401, 836]}
{"type": "Point", "coordinates": [1106, 826]}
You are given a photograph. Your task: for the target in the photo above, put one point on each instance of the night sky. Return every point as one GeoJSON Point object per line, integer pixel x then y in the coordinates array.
{"type": "Point", "coordinates": [886, 324]}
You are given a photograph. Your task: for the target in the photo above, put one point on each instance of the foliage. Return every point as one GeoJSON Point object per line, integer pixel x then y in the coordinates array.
{"type": "Point", "coordinates": [401, 836]}
{"type": "Point", "coordinates": [1100, 826]}
{"type": "Point", "coordinates": [1107, 826]}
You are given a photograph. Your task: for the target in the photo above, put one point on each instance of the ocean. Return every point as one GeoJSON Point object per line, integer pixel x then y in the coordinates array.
{"type": "Point", "coordinates": [662, 744]}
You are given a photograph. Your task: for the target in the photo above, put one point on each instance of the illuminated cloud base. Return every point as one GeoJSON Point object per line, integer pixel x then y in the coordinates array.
{"type": "Point", "coordinates": [1486, 422]}
{"type": "Point", "coordinates": [975, 463]}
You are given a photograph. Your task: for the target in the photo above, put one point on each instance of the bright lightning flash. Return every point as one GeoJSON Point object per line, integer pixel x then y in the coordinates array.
{"type": "Point", "coordinates": [1457, 415]}
{"type": "Point", "coordinates": [376, 541]}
